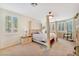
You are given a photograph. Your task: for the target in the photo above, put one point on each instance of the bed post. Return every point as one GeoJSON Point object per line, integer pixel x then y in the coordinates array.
{"type": "Point", "coordinates": [48, 29]}
{"type": "Point", "coordinates": [75, 19]}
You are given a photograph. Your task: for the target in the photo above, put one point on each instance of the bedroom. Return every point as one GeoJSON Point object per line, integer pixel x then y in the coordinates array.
{"type": "Point", "coordinates": [18, 20]}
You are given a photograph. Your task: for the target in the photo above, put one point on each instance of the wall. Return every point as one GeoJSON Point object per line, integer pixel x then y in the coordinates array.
{"type": "Point", "coordinates": [35, 25]}
{"type": "Point", "coordinates": [9, 39]}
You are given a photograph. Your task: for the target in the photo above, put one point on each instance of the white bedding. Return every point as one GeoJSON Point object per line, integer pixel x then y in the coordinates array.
{"type": "Point", "coordinates": [39, 37]}
{"type": "Point", "coordinates": [43, 37]}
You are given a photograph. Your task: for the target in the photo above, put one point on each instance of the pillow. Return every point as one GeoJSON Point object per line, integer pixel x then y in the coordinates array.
{"type": "Point", "coordinates": [35, 33]}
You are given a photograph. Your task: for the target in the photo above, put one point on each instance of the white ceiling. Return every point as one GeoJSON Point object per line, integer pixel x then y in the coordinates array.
{"type": "Point", "coordinates": [60, 10]}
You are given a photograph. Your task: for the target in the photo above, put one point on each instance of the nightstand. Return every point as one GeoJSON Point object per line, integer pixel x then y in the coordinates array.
{"type": "Point", "coordinates": [26, 40]}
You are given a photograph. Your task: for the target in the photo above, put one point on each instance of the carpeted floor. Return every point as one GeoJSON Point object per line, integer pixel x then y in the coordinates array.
{"type": "Point", "coordinates": [60, 48]}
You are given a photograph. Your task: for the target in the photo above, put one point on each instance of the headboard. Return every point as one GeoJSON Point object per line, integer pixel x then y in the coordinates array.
{"type": "Point", "coordinates": [35, 31]}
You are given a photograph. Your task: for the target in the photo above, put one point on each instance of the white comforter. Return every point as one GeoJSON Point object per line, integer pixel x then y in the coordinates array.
{"type": "Point", "coordinates": [39, 37]}
{"type": "Point", "coordinates": [43, 37]}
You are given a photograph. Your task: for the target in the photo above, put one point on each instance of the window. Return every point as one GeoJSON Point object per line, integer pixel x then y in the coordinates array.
{"type": "Point", "coordinates": [69, 26]}
{"type": "Point", "coordinates": [61, 26]}
{"type": "Point", "coordinates": [15, 24]}
{"type": "Point", "coordinates": [8, 24]}
{"type": "Point", "coordinates": [11, 24]}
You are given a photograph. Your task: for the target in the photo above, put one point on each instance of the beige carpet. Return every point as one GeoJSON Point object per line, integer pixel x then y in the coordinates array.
{"type": "Point", "coordinates": [61, 48]}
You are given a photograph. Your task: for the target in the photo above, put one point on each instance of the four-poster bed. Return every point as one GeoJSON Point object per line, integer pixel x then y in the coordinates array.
{"type": "Point", "coordinates": [68, 26]}
{"type": "Point", "coordinates": [45, 38]}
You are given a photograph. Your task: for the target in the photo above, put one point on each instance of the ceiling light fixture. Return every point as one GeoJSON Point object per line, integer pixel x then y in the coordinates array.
{"type": "Point", "coordinates": [34, 4]}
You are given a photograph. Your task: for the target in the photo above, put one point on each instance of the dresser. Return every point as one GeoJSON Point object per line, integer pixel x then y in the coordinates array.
{"type": "Point", "coordinates": [26, 40]}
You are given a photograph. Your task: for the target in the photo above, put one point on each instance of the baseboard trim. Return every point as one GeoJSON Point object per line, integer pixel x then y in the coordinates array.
{"type": "Point", "coordinates": [10, 46]}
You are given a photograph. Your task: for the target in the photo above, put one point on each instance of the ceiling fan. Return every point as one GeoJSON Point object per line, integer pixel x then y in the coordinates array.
{"type": "Point", "coordinates": [34, 4]}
